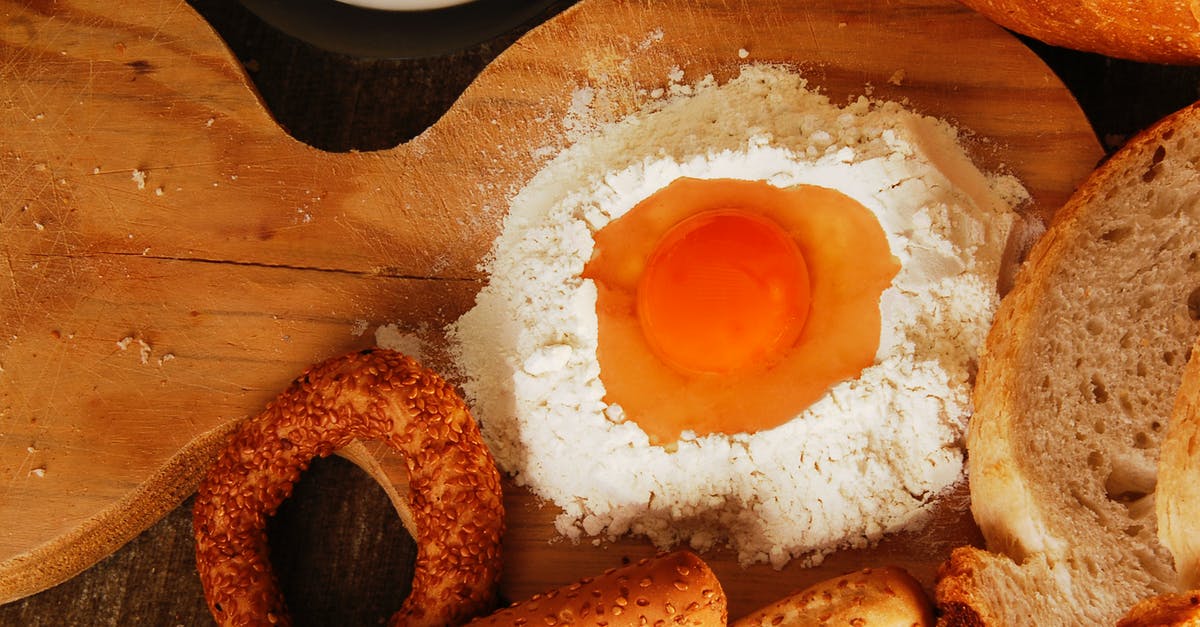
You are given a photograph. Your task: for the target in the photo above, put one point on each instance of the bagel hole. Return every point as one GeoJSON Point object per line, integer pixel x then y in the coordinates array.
{"type": "Point", "coordinates": [339, 550]}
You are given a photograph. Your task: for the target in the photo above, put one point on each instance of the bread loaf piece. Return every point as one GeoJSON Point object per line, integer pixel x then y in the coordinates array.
{"type": "Point", "coordinates": [1157, 31]}
{"type": "Point", "coordinates": [1178, 496]}
{"type": "Point", "coordinates": [1074, 394]}
{"type": "Point", "coordinates": [873, 597]}
{"type": "Point", "coordinates": [1177, 502]}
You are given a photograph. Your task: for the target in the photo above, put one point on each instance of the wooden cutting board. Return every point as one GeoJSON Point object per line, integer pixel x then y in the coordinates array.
{"type": "Point", "coordinates": [172, 258]}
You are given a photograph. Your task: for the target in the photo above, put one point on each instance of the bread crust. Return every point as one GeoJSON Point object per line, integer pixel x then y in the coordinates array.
{"type": "Point", "coordinates": [1050, 524]}
{"type": "Point", "coordinates": [957, 589]}
{"type": "Point", "coordinates": [1156, 31]}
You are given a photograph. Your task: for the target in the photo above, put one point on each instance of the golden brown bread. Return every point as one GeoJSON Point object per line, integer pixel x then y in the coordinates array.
{"type": "Point", "coordinates": [872, 597]}
{"type": "Point", "coordinates": [1157, 31]}
{"type": "Point", "coordinates": [671, 589]}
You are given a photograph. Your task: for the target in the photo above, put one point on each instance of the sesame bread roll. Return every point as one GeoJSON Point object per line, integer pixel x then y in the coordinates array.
{"type": "Point", "coordinates": [672, 589]}
{"type": "Point", "coordinates": [872, 597]}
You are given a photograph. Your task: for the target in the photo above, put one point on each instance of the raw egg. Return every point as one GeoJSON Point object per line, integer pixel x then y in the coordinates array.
{"type": "Point", "coordinates": [729, 306]}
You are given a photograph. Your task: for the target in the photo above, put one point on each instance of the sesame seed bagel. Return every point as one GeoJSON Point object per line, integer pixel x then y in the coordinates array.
{"type": "Point", "coordinates": [453, 496]}
{"type": "Point", "coordinates": [670, 589]}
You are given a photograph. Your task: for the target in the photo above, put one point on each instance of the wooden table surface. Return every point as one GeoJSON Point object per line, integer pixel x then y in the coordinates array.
{"type": "Point", "coordinates": [339, 518]}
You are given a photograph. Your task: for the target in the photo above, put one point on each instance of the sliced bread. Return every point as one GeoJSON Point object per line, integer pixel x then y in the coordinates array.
{"type": "Point", "coordinates": [1158, 31]}
{"type": "Point", "coordinates": [1074, 393]}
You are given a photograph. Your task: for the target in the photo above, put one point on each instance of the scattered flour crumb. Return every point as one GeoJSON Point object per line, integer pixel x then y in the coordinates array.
{"type": "Point", "coordinates": [390, 336]}
{"type": "Point", "coordinates": [139, 177]}
{"type": "Point", "coordinates": [144, 349]}
{"type": "Point", "coordinates": [897, 77]}
{"type": "Point", "coordinates": [360, 326]}
{"type": "Point", "coordinates": [743, 53]}
{"type": "Point", "coordinates": [40, 471]}
{"type": "Point", "coordinates": [652, 38]}
{"type": "Point", "coordinates": [578, 113]}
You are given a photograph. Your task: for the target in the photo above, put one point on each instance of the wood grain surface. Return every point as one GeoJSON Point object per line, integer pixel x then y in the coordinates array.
{"type": "Point", "coordinates": [173, 257]}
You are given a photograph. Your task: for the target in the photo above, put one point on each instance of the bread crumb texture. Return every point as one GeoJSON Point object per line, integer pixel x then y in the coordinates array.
{"type": "Point", "coordinates": [1076, 388]}
{"type": "Point", "coordinates": [868, 458]}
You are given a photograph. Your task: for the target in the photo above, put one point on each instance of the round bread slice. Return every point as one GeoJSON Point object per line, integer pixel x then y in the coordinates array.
{"type": "Point", "coordinates": [1157, 31]}
{"type": "Point", "coordinates": [1074, 394]}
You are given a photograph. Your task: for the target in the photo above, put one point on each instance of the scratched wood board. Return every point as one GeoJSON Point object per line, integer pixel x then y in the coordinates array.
{"type": "Point", "coordinates": [172, 258]}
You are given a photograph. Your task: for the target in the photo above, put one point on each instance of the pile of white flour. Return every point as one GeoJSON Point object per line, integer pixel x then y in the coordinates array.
{"type": "Point", "coordinates": [869, 457]}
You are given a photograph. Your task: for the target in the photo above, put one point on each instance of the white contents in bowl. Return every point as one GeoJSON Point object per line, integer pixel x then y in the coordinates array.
{"type": "Point", "coordinates": [871, 456]}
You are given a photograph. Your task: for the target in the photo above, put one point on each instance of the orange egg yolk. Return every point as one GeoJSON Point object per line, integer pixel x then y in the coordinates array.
{"type": "Point", "coordinates": [725, 289]}
{"type": "Point", "coordinates": [729, 306]}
